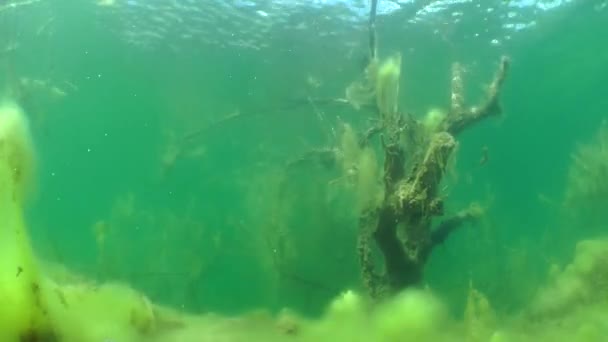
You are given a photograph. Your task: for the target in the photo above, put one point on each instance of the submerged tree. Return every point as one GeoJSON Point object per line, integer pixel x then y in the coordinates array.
{"type": "Point", "coordinates": [398, 217]}
{"type": "Point", "coordinates": [416, 153]}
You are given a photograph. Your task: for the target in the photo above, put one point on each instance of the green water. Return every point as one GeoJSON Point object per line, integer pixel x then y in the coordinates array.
{"type": "Point", "coordinates": [201, 235]}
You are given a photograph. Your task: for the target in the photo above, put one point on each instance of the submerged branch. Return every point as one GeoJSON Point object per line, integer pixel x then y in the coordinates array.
{"type": "Point", "coordinates": [372, 30]}
{"type": "Point", "coordinates": [417, 194]}
{"type": "Point", "coordinates": [326, 157]}
{"type": "Point", "coordinates": [460, 118]}
{"type": "Point", "coordinates": [446, 227]}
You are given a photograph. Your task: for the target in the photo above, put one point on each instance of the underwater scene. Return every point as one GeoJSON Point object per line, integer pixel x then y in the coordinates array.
{"type": "Point", "coordinates": [303, 170]}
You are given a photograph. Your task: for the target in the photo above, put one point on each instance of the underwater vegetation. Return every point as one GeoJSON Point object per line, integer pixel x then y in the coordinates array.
{"type": "Point", "coordinates": [357, 221]}
{"type": "Point", "coordinates": [46, 302]}
{"type": "Point", "coordinates": [587, 185]}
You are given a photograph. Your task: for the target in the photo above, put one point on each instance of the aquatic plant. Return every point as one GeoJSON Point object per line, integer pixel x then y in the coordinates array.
{"type": "Point", "coordinates": [23, 310]}
{"type": "Point", "coordinates": [581, 283]}
{"type": "Point", "coordinates": [587, 185]}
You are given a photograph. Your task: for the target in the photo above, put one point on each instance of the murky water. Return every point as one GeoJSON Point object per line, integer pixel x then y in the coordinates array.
{"type": "Point", "coordinates": [228, 170]}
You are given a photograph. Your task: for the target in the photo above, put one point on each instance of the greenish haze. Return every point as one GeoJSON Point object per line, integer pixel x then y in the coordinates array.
{"type": "Point", "coordinates": [203, 236]}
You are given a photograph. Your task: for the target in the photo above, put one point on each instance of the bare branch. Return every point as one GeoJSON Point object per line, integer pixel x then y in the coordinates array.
{"type": "Point", "coordinates": [325, 156]}
{"type": "Point", "coordinates": [459, 120]}
{"type": "Point", "coordinates": [369, 134]}
{"type": "Point", "coordinates": [446, 227]}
